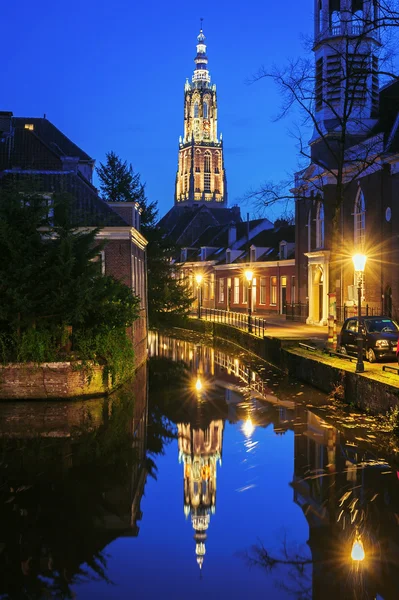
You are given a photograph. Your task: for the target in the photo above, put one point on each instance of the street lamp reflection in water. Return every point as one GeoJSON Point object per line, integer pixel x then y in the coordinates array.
{"type": "Point", "coordinates": [248, 428]}
{"type": "Point", "coordinates": [198, 385]}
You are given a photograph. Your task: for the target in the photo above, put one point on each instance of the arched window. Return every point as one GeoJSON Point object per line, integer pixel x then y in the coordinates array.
{"type": "Point", "coordinates": [196, 109]}
{"type": "Point", "coordinates": [207, 172]}
{"type": "Point", "coordinates": [206, 110]}
{"type": "Point", "coordinates": [360, 222]}
{"type": "Point", "coordinates": [320, 225]}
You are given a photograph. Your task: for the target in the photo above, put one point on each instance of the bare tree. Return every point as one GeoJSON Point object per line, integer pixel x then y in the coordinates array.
{"type": "Point", "coordinates": [337, 97]}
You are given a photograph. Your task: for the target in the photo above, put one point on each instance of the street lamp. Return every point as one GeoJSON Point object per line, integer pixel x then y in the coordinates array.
{"type": "Point", "coordinates": [249, 275]}
{"type": "Point", "coordinates": [359, 261]}
{"type": "Point", "coordinates": [198, 279]}
{"type": "Point", "coordinates": [358, 554]}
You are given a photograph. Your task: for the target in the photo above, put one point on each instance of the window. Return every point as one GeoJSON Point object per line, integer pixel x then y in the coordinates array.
{"type": "Point", "coordinates": [245, 293]}
{"type": "Point", "coordinates": [360, 222]}
{"type": "Point", "coordinates": [212, 287]}
{"type": "Point", "coordinates": [262, 299]}
{"type": "Point", "coordinates": [206, 110]}
{"type": "Point", "coordinates": [221, 290]}
{"type": "Point", "coordinates": [283, 250]}
{"type": "Point", "coordinates": [320, 225]}
{"type": "Point", "coordinates": [273, 291]}
{"type": "Point", "coordinates": [196, 110]}
{"type": "Point", "coordinates": [293, 289]}
{"type": "Point", "coordinates": [319, 84]}
{"type": "Point", "coordinates": [309, 226]}
{"type": "Point", "coordinates": [236, 298]}
{"type": "Point", "coordinates": [253, 254]}
{"type": "Point", "coordinates": [29, 126]}
{"type": "Point", "coordinates": [207, 172]}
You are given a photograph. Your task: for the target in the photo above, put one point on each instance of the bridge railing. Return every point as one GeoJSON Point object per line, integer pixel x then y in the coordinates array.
{"type": "Point", "coordinates": [253, 324]}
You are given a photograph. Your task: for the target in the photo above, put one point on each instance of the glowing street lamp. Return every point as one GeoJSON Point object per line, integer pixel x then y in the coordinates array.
{"type": "Point", "coordinates": [359, 262]}
{"type": "Point", "coordinates": [198, 279]}
{"type": "Point", "coordinates": [358, 554]}
{"type": "Point", "coordinates": [249, 275]}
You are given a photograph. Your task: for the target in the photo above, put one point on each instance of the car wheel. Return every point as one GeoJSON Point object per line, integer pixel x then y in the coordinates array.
{"type": "Point", "coordinates": [371, 357]}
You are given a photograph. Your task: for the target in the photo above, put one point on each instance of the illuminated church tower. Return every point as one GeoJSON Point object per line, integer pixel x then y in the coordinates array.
{"type": "Point", "coordinates": [200, 177]}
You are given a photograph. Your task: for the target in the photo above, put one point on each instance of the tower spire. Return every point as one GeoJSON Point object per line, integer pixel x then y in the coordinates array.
{"type": "Point", "coordinates": [201, 77]}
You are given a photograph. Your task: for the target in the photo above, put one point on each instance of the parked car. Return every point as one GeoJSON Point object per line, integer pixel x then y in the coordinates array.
{"type": "Point", "coordinates": [380, 337]}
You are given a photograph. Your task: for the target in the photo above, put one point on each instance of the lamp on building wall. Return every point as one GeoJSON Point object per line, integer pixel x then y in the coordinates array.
{"type": "Point", "coordinates": [249, 275]}
{"type": "Point", "coordinates": [359, 261]}
{"type": "Point", "coordinates": [198, 279]}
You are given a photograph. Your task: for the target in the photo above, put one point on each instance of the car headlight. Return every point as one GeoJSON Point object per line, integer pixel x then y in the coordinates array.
{"type": "Point", "coordinates": [381, 343]}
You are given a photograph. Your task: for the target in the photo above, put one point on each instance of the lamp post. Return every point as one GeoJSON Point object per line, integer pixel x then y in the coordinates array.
{"type": "Point", "coordinates": [359, 261]}
{"type": "Point", "coordinates": [249, 275]}
{"type": "Point", "coordinates": [198, 279]}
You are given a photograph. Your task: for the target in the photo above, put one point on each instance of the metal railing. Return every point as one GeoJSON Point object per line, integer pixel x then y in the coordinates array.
{"type": "Point", "coordinates": [256, 325]}
{"type": "Point", "coordinates": [297, 312]}
{"type": "Point", "coordinates": [300, 312]}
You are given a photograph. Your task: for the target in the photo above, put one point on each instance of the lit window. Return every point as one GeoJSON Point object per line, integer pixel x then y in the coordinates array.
{"type": "Point", "coordinates": [236, 298]}
{"type": "Point", "coordinates": [360, 222]}
{"type": "Point", "coordinates": [262, 299]}
{"type": "Point", "coordinates": [29, 126]}
{"type": "Point", "coordinates": [221, 290]}
{"type": "Point", "coordinates": [273, 290]}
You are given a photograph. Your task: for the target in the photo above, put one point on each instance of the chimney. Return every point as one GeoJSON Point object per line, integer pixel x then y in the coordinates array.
{"type": "Point", "coordinates": [5, 124]}
{"type": "Point", "coordinates": [232, 234]}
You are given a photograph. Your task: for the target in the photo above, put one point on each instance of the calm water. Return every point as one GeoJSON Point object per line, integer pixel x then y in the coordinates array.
{"type": "Point", "coordinates": [209, 478]}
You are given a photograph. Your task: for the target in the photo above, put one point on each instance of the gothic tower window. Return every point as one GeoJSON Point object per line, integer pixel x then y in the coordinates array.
{"type": "Point", "coordinates": [357, 16]}
{"type": "Point", "coordinates": [207, 172]}
{"type": "Point", "coordinates": [320, 225]}
{"type": "Point", "coordinates": [196, 109]}
{"type": "Point", "coordinates": [360, 222]}
{"type": "Point", "coordinates": [206, 110]}
{"type": "Point", "coordinates": [335, 16]}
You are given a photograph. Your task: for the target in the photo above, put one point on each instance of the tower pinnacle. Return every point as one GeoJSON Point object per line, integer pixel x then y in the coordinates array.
{"type": "Point", "coordinates": [201, 177]}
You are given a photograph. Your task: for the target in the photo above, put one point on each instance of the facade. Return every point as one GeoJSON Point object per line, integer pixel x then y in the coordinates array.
{"type": "Point", "coordinates": [33, 150]}
{"type": "Point", "coordinates": [337, 218]}
{"type": "Point", "coordinates": [222, 255]}
{"type": "Point", "coordinates": [201, 176]}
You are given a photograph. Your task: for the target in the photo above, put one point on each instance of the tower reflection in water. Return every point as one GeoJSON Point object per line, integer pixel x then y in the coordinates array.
{"type": "Point", "coordinates": [348, 493]}
{"type": "Point", "coordinates": [220, 387]}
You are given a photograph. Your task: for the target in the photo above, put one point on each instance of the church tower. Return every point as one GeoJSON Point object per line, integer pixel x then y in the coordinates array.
{"type": "Point", "coordinates": [346, 48]}
{"type": "Point", "coordinates": [201, 176]}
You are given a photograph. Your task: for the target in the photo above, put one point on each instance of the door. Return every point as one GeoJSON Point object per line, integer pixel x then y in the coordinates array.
{"type": "Point", "coordinates": [283, 296]}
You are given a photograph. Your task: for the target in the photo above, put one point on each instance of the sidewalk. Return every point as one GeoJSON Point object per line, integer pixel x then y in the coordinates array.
{"type": "Point", "coordinates": [278, 327]}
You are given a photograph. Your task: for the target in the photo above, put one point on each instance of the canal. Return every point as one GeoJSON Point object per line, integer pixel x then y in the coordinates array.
{"type": "Point", "coordinates": [212, 475]}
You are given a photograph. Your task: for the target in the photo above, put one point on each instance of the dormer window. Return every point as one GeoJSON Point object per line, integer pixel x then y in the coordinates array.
{"type": "Point", "coordinates": [283, 250]}
{"type": "Point", "coordinates": [228, 256]}
{"type": "Point", "coordinates": [29, 126]}
{"type": "Point", "coordinates": [253, 254]}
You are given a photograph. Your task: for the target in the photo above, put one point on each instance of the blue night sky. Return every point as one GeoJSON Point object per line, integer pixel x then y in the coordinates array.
{"type": "Point", "coordinates": [110, 75]}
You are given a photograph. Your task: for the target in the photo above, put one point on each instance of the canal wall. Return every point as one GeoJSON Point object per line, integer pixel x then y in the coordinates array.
{"type": "Point", "coordinates": [52, 380]}
{"type": "Point", "coordinates": [334, 376]}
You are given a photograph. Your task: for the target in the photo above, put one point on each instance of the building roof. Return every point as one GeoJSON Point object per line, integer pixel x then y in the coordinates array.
{"type": "Point", "coordinates": [52, 136]}
{"type": "Point", "coordinates": [88, 208]}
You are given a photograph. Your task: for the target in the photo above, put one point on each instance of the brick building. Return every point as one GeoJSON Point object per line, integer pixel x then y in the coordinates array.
{"type": "Point", "coordinates": [368, 216]}
{"type": "Point", "coordinates": [33, 150]}
{"type": "Point", "coordinates": [222, 254]}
